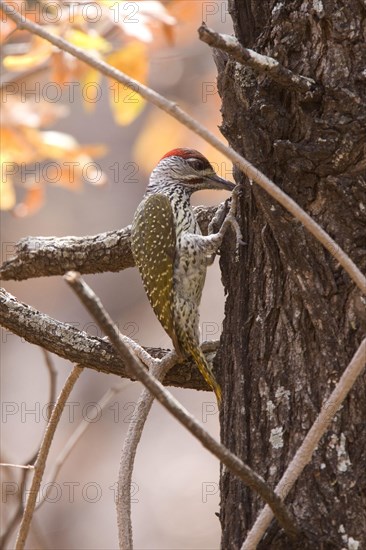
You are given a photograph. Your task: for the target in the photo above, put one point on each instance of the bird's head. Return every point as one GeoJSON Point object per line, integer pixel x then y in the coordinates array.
{"type": "Point", "coordinates": [187, 169]}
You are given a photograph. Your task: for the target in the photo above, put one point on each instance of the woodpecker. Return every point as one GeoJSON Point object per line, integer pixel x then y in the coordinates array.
{"type": "Point", "coordinates": [171, 253]}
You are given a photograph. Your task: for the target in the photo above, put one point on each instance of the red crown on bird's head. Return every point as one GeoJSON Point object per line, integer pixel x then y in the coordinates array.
{"type": "Point", "coordinates": [184, 153]}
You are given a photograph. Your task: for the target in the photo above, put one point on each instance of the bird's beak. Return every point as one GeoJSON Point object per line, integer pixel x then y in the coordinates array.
{"type": "Point", "coordinates": [219, 183]}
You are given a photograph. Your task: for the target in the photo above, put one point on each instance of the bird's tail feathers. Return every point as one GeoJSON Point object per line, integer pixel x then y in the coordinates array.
{"type": "Point", "coordinates": [205, 370]}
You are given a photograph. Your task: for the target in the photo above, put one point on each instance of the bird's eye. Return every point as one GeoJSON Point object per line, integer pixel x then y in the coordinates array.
{"type": "Point", "coordinates": [198, 164]}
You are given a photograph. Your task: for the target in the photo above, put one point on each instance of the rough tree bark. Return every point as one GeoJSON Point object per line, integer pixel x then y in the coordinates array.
{"type": "Point", "coordinates": [293, 317]}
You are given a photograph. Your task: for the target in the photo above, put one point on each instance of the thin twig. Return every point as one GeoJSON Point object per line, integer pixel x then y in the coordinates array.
{"type": "Point", "coordinates": [79, 347]}
{"type": "Point", "coordinates": [42, 457]}
{"type": "Point", "coordinates": [260, 63]}
{"type": "Point", "coordinates": [308, 446]}
{"type": "Point", "coordinates": [172, 109]}
{"type": "Point", "coordinates": [79, 432]}
{"type": "Point", "coordinates": [21, 466]}
{"type": "Point", "coordinates": [20, 507]}
{"type": "Point", "coordinates": [158, 369]}
{"type": "Point", "coordinates": [53, 379]}
{"type": "Point", "coordinates": [233, 463]}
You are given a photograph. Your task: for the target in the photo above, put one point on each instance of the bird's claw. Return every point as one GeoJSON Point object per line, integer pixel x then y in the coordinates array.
{"type": "Point", "coordinates": [218, 218]}
{"type": "Point", "coordinates": [231, 219]}
{"type": "Point", "coordinates": [236, 193]}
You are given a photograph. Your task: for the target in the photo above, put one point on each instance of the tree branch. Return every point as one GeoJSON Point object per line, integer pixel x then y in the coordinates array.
{"type": "Point", "coordinates": [262, 64]}
{"type": "Point", "coordinates": [42, 457]}
{"type": "Point", "coordinates": [53, 378]}
{"type": "Point", "coordinates": [77, 346]}
{"type": "Point", "coordinates": [232, 462]}
{"type": "Point", "coordinates": [20, 507]}
{"type": "Point", "coordinates": [20, 466]}
{"type": "Point", "coordinates": [130, 444]}
{"type": "Point", "coordinates": [45, 256]}
{"type": "Point", "coordinates": [172, 109]}
{"type": "Point", "coordinates": [305, 451]}
{"type": "Point", "coordinates": [79, 432]}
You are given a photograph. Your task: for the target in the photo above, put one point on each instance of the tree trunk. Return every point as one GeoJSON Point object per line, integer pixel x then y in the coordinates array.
{"type": "Point", "coordinates": [293, 317]}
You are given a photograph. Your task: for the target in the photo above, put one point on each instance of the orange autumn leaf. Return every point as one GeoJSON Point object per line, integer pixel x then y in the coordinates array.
{"type": "Point", "coordinates": [33, 201]}
{"type": "Point", "coordinates": [20, 144]}
{"type": "Point", "coordinates": [7, 193]}
{"type": "Point", "coordinates": [72, 172]}
{"type": "Point", "coordinates": [60, 68]}
{"type": "Point", "coordinates": [169, 34]}
{"type": "Point", "coordinates": [68, 174]}
{"type": "Point", "coordinates": [74, 162]}
{"type": "Point", "coordinates": [55, 158]}
{"type": "Point", "coordinates": [7, 26]}
{"type": "Point", "coordinates": [39, 52]}
{"type": "Point", "coordinates": [189, 16]}
{"type": "Point", "coordinates": [58, 145]}
{"type": "Point", "coordinates": [126, 103]}
{"type": "Point", "coordinates": [88, 41]}
{"type": "Point", "coordinates": [60, 159]}
{"type": "Point", "coordinates": [90, 85]}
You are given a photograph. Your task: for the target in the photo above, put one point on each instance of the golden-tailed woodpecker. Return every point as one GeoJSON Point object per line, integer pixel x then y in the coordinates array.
{"type": "Point", "coordinates": [171, 253]}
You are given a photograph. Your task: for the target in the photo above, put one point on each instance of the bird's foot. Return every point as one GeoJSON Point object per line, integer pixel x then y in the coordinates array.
{"type": "Point", "coordinates": [224, 218]}
{"type": "Point", "coordinates": [231, 218]}
{"type": "Point", "coordinates": [218, 218]}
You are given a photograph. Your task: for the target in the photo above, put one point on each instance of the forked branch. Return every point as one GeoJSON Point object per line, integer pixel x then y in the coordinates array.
{"type": "Point", "coordinates": [26, 469]}
{"type": "Point", "coordinates": [82, 427]}
{"type": "Point", "coordinates": [136, 426]}
{"type": "Point", "coordinates": [40, 463]}
{"type": "Point", "coordinates": [75, 345]}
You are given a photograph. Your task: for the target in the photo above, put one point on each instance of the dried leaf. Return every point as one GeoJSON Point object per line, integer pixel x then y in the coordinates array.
{"type": "Point", "coordinates": [169, 33]}
{"type": "Point", "coordinates": [7, 193]}
{"type": "Point", "coordinates": [90, 84]}
{"type": "Point", "coordinates": [74, 162]}
{"type": "Point", "coordinates": [33, 201]}
{"type": "Point", "coordinates": [39, 52]}
{"type": "Point", "coordinates": [20, 144]}
{"type": "Point", "coordinates": [189, 16]}
{"type": "Point", "coordinates": [60, 71]}
{"type": "Point", "coordinates": [17, 113]}
{"type": "Point", "coordinates": [126, 103]}
{"type": "Point", "coordinates": [88, 41]}
{"type": "Point", "coordinates": [7, 27]}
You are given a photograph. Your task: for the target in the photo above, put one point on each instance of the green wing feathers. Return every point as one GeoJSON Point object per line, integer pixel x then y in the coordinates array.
{"type": "Point", "coordinates": [153, 244]}
{"type": "Point", "coordinates": [153, 249]}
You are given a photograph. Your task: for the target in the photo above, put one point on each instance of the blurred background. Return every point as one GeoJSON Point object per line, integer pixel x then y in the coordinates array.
{"type": "Point", "coordinates": [56, 111]}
